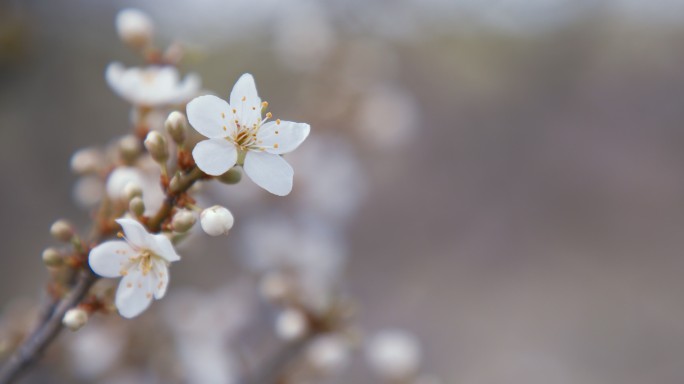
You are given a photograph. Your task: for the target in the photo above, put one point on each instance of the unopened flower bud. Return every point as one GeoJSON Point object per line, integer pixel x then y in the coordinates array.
{"type": "Point", "coordinates": [176, 125]}
{"type": "Point", "coordinates": [233, 176]}
{"type": "Point", "coordinates": [75, 318]}
{"type": "Point", "coordinates": [129, 148]}
{"type": "Point", "coordinates": [52, 257]}
{"type": "Point", "coordinates": [134, 28]}
{"type": "Point", "coordinates": [62, 230]}
{"type": "Point", "coordinates": [132, 190]}
{"type": "Point", "coordinates": [291, 324]}
{"type": "Point", "coordinates": [137, 206]}
{"type": "Point", "coordinates": [183, 220]}
{"type": "Point", "coordinates": [216, 221]}
{"type": "Point", "coordinates": [157, 147]}
{"type": "Point", "coordinates": [86, 160]}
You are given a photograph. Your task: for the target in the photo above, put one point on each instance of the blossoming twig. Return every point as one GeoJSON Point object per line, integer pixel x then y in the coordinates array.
{"type": "Point", "coordinates": [50, 321]}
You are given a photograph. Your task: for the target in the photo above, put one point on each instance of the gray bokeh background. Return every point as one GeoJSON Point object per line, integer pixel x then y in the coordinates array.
{"type": "Point", "coordinates": [531, 231]}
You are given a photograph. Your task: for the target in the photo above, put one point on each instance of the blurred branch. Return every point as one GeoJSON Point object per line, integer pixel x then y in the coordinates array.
{"type": "Point", "coordinates": [34, 345]}
{"type": "Point", "coordinates": [274, 368]}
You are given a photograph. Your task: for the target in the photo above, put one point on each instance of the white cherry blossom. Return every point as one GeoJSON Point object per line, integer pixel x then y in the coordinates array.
{"type": "Point", "coordinates": [236, 131]}
{"type": "Point", "coordinates": [152, 86]}
{"type": "Point", "coordinates": [141, 259]}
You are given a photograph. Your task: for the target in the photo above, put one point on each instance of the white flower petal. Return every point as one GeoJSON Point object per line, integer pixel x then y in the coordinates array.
{"type": "Point", "coordinates": [110, 258]}
{"type": "Point", "coordinates": [210, 116]}
{"type": "Point", "coordinates": [245, 100]}
{"type": "Point", "coordinates": [215, 156]}
{"type": "Point", "coordinates": [282, 136]}
{"type": "Point", "coordinates": [160, 279]}
{"type": "Point", "coordinates": [135, 233]}
{"type": "Point", "coordinates": [270, 172]}
{"type": "Point", "coordinates": [161, 245]}
{"type": "Point", "coordinates": [188, 87]}
{"type": "Point", "coordinates": [114, 74]}
{"type": "Point", "coordinates": [134, 294]}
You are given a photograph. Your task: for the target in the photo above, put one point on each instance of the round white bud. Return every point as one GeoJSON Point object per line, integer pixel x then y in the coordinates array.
{"type": "Point", "coordinates": [137, 206]}
{"type": "Point", "coordinates": [291, 324]}
{"type": "Point", "coordinates": [183, 221]}
{"type": "Point", "coordinates": [129, 148]}
{"type": "Point", "coordinates": [75, 318]}
{"type": "Point", "coordinates": [52, 257]}
{"type": "Point", "coordinates": [216, 221]}
{"type": "Point", "coordinates": [157, 147]}
{"type": "Point", "coordinates": [62, 230]}
{"type": "Point", "coordinates": [132, 189]}
{"type": "Point", "coordinates": [176, 125]}
{"type": "Point", "coordinates": [394, 354]}
{"type": "Point", "coordinates": [134, 27]}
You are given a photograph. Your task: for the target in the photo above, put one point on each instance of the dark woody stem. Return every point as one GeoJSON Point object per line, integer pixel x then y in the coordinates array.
{"type": "Point", "coordinates": [50, 317]}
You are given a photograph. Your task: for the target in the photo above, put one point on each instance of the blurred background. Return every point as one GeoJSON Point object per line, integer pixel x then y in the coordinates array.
{"type": "Point", "coordinates": [502, 178]}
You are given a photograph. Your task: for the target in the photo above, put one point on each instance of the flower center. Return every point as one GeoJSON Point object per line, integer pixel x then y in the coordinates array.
{"type": "Point", "coordinates": [145, 261]}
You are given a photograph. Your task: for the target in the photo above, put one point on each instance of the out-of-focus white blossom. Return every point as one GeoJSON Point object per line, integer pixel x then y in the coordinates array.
{"type": "Point", "coordinates": [86, 160]}
{"type": "Point", "coordinates": [291, 324]}
{"type": "Point", "coordinates": [237, 131]}
{"type": "Point", "coordinates": [134, 27]}
{"type": "Point", "coordinates": [400, 117]}
{"type": "Point", "coordinates": [331, 181]}
{"type": "Point", "coordinates": [394, 354]}
{"type": "Point", "coordinates": [142, 260]}
{"type": "Point", "coordinates": [146, 179]}
{"type": "Point", "coordinates": [307, 249]}
{"type": "Point", "coordinates": [329, 354]}
{"type": "Point", "coordinates": [203, 324]}
{"type": "Point", "coordinates": [276, 286]}
{"type": "Point", "coordinates": [88, 191]}
{"type": "Point", "coordinates": [216, 220]}
{"type": "Point", "coordinates": [152, 86]}
{"type": "Point", "coordinates": [95, 349]}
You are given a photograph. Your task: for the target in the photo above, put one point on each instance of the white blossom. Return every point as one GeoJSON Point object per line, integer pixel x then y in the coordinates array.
{"type": "Point", "coordinates": [141, 259]}
{"type": "Point", "coordinates": [152, 86]}
{"type": "Point", "coordinates": [237, 129]}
